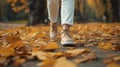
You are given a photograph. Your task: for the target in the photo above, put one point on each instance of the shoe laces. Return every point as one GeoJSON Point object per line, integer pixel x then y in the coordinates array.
{"type": "Point", "coordinates": [66, 33]}
{"type": "Point", "coordinates": [53, 26]}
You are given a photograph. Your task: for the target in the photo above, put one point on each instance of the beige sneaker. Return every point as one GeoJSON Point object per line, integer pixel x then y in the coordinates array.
{"type": "Point", "coordinates": [53, 31]}
{"type": "Point", "coordinates": [66, 39]}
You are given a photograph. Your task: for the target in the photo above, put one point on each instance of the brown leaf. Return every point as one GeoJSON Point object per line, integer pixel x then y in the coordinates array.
{"type": "Point", "coordinates": [43, 55]}
{"type": "Point", "coordinates": [24, 49]}
{"type": "Point", "coordinates": [117, 58]}
{"type": "Point", "coordinates": [12, 38]}
{"type": "Point", "coordinates": [85, 58]}
{"type": "Point", "coordinates": [17, 44]}
{"type": "Point", "coordinates": [107, 61]}
{"type": "Point", "coordinates": [116, 47]}
{"type": "Point", "coordinates": [3, 62]}
{"type": "Point", "coordinates": [18, 62]}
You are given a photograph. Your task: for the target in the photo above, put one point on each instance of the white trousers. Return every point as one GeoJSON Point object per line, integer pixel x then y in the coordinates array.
{"type": "Point", "coordinates": [67, 11]}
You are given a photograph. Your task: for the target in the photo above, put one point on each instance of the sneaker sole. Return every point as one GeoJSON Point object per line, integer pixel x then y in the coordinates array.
{"type": "Point", "coordinates": [67, 43]}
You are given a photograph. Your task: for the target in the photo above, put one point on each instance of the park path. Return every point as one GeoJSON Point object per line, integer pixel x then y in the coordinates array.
{"type": "Point", "coordinates": [101, 54]}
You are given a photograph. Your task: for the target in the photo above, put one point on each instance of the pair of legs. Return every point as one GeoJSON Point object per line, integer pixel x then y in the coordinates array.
{"type": "Point", "coordinates": [67, 16]}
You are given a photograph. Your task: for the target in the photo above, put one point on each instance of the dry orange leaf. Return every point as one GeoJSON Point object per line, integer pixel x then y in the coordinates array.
{"type": "Point", "coordinates": [105, 46]}
{"type": "Point", "coordinates": [58, 54]}
{"type": "Point", "coordinates": [113, 64]}
{"type": "Point", "coordinates": [17, 44]}
{"type": "Point", "coordinates": [6, 52]}
{"type": "Point", "coordinates": [47, 63]}
{"type": "Point", "coordinates": [52, 46]}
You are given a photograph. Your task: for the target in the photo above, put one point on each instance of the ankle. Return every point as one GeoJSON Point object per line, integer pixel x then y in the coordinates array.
{"type": "Point", "coordinates": [66, 27]}
{"type": "Point", "coordinates": [53, 24]}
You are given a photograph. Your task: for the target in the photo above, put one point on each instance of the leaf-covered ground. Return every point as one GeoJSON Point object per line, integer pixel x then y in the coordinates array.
{"type": "Point", "coordinates": [97, 45]}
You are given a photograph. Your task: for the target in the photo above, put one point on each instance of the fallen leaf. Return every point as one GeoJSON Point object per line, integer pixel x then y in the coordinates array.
{"type": "Point", "coordinates": [3, 62]}
{"type": "Point", "coordinates": [42, 55]}
{"type": "Point", "coordinates": [107, 61]}
{"type": "Point", "coordinates": [85, 58]}
{"type": "Point", "coordinates": [18, 62]}
{"type": "Point", "coordinates": [117, 58]}
{"type": "Point", "coordinates": [24, 49]}
{"type": "Point", "coordinates": [113, 64]}
{"type": "Point", "coordinates": [58, 54]}
{"type": "Point", "coordinates": [52, 46]}
{"type": "Point", "coordinates": [6, 52]}
{"type": "Point", "coordinates": [76, 52]}
{"type": "Point", "coordinates": [17, 44]}
{"type": "Point", "coordinates": [106, 46]}
{"type": "Point", "coordinates": [116, 47]}
{"type": "Point", "coordinates": [63, 62]}
{"type": "Point", "coordinates": [47, 63]}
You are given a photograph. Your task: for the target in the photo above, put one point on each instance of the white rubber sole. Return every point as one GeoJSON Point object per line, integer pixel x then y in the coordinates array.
{"type": "Point", "coordinates": [67, 43]}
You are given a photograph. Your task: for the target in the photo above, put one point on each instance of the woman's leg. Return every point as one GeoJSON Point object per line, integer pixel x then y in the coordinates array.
{"type": "Point", "coordinates": [67, 12]}
{"type": "Point", "coordinates": [53, 9]}
{"type": "Point", "coordinates": [67, 16]}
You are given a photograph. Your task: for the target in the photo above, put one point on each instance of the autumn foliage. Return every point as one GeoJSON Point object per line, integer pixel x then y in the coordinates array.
{"type": "Point", "coordinates": [18, 5]}
{"type": "Point", "coordinates": [21, 44]}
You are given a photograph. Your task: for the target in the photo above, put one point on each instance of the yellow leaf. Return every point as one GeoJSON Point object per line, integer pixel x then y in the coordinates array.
{"type": "Point", "coordinates": [6, 52]}
{"type": "Point", "coordinates": [63, 62]}
{"type": "Point", "coordinates": [47, 63]}
{"type": "Point", "coordinates": [105, 46]}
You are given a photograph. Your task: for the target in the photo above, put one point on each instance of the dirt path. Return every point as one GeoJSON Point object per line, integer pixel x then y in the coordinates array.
{"type": "Point", "coordinates": [4, 25]}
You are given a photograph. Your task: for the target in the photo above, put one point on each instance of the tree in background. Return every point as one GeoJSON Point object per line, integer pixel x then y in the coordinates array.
{"type": "Point", "coordinates": [97, 10]}
{"type": "Point", "coordinates": [3, 10]}
{"type": "Point", "coordinates": [85, 10]}
{"type": "Point", "coordinates": [37, 12]}
{"type": "Point", "coordinates": [35, 9]}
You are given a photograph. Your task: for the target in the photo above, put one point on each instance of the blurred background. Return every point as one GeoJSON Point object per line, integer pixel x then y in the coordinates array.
{"type": "Point", "coordinates": [33, 12]}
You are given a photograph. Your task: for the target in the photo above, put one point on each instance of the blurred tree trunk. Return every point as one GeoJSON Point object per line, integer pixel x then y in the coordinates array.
{"type": "Point", "coordinates": [37, 12]}
{"type": "Point", "coordinates": [3, 11]}
{"type": "Point", "coordinates": [115, 10]}
{"type": "Point", "coordinates": [80, 10]}
{"type": "Point", "coordinates": [97, 10]}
